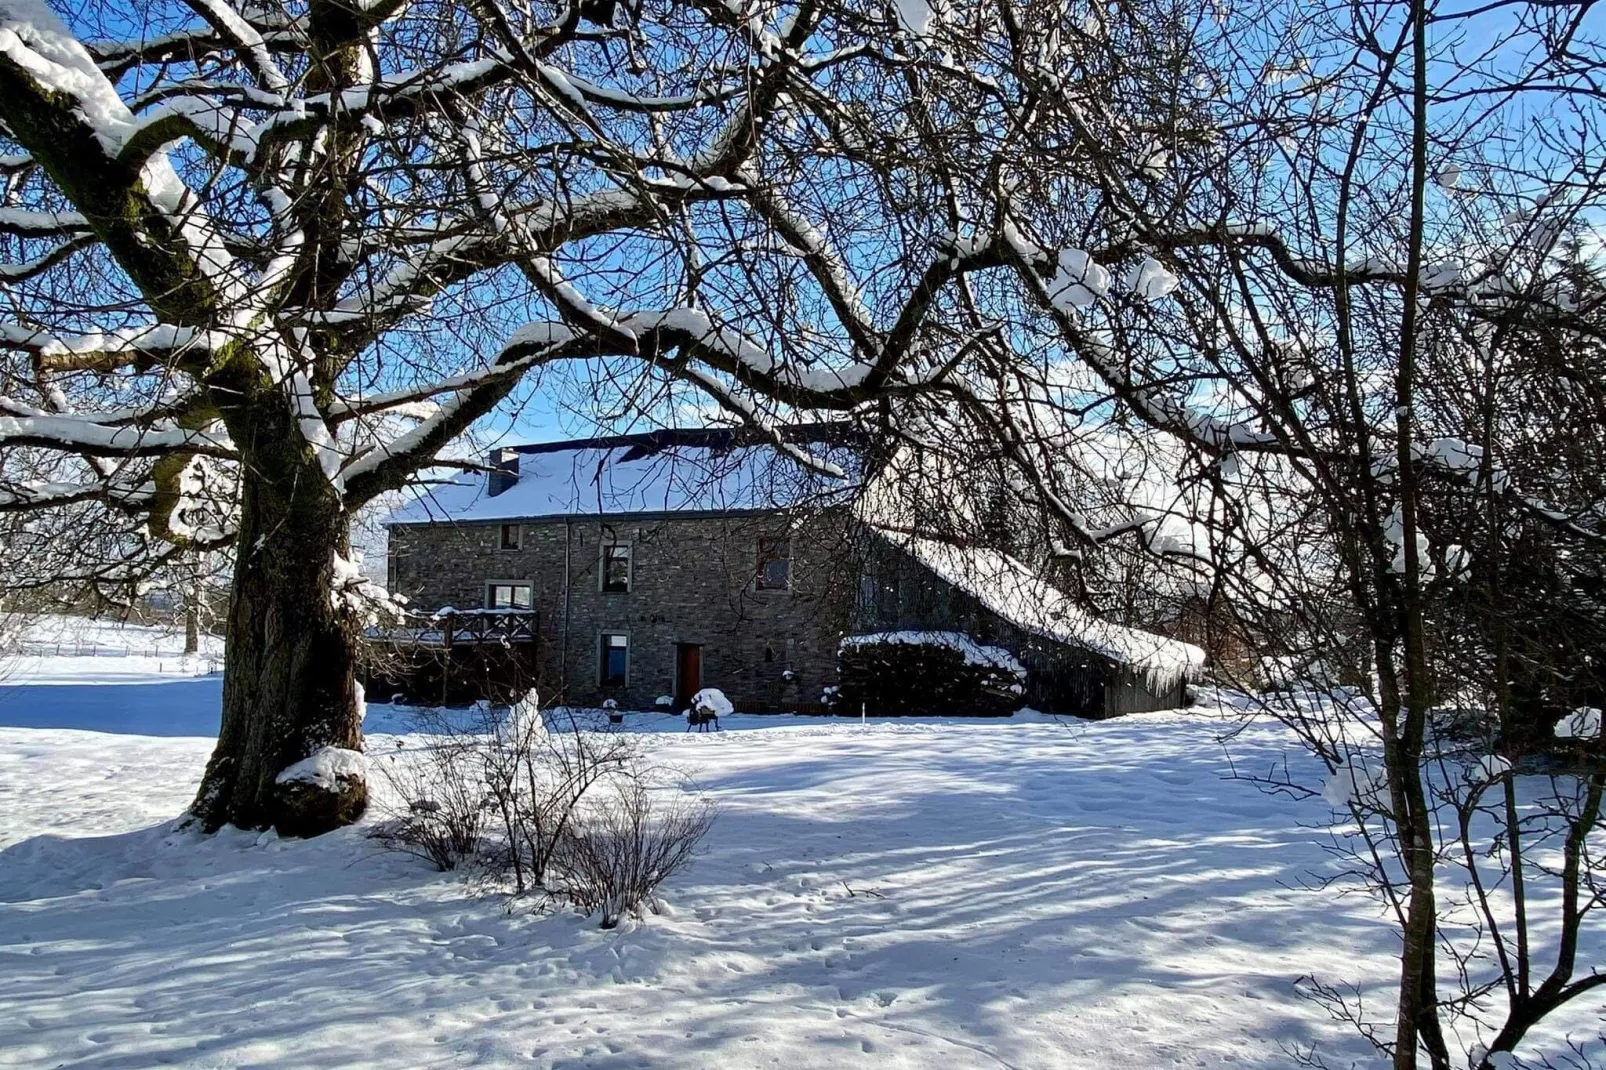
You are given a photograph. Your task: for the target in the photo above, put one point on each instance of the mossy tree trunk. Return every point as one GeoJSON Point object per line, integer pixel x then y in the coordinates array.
{"type": "Point", "coordinates": [289, 672]}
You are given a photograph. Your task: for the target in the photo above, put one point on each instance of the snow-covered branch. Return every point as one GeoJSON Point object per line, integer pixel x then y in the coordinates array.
{"type": "Point", "coordinates": [35, 224]}
{"type": "Point", "coordinates": [55, 99]}
{"type": "Point", "coordinates": [42, 494]}
{"type": "Point", "coordinates": [88, 436]}
{"type": "Point", "coordinates": [106, 351]}
{"type": "Point", "coordinates": [245, 41]}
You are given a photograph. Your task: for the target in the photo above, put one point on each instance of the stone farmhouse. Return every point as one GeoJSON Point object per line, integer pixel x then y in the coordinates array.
{"type": "Point", "coordinates": [654, 565]}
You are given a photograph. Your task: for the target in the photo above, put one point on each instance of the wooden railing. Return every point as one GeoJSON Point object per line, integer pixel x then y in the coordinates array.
{"type": "Point", "coordinates": [456, 656]}
{"type": "Point", "coordinates": [458, 626]}
{"type": "Point", "coordinates": [489, 626]}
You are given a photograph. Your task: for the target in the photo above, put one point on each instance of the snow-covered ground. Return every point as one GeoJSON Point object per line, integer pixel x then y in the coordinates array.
{"type": "Point", "coordinates": [910, 894]}
{"type": "Point", "coordinates": [77, 651]}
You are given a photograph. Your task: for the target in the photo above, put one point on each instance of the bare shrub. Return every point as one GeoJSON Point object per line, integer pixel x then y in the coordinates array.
{"type": "Point", "coordinates": [615, 855]}
{"type": "Point", "coordinates": [553, 805]}
{"type": "Point", "coordinates": [535, 778]}
{"type": "Point", "coordinates": [436, 806]}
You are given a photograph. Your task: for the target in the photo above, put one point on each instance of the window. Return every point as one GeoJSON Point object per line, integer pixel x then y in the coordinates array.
{"type": "Point", "coordinates": [392, 570]}
{"type": "Point", "coordinates": [615, 668]}
{"type": "Point", "coordinates": [774, 564]}
{"type": "Point", "coordinates": [502, 594]}
{"type": "Point", "coordinates": [510, 536]}
{"type": "Point", "coordinates": [616, 568]}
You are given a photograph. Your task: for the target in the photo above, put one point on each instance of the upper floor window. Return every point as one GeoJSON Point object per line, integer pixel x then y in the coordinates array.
{"type": "Point", "coordinates": [511, 536]}
{"type": "Point", "coordinates": [774, 564]}
{"type": "Point", "coordinates": [505, 595]}
{"type": "Point", "coordinates": [616, 568]}
{"type": "Point", "coordinates": [615, 659]}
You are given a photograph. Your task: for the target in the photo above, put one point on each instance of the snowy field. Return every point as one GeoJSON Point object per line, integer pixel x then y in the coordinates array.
{"type": "Point", "coordinates": [74, 651]}
{"type": "Point", "coordinates": [915, 894]}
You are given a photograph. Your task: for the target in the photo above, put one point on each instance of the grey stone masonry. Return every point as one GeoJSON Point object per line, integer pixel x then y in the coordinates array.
{"type": "Point", "coordinates": [694, 579]}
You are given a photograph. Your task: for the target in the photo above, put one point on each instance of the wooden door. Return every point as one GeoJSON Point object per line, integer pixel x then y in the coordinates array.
{"type": "Point", "coordinates": [688, 673]}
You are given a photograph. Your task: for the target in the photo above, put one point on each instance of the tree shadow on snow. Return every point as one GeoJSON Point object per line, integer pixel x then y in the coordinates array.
{"type": "Point", "coordinates": [1014, 904]}
{"type": "Point", "coordinates": [181, 707]}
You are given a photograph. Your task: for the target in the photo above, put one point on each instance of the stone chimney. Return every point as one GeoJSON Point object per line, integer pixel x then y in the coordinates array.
{"type": "Point", "coordinates": [504, 466]}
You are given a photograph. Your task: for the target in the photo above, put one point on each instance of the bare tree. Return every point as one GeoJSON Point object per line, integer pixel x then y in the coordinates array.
{"type": "Point", "coordinates": [267, 260]}
{"type": "Point", "coordinates": [1376, 364]}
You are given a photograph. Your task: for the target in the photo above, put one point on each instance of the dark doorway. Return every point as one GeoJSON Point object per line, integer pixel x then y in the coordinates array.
{"type": "Point", "coordinates": [688, 673]}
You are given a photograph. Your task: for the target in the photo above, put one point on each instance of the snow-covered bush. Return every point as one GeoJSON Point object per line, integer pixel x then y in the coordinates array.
{"type": "Point", "coordinates": [1362, 779]}
{"type": "Point", "coordinates": [901, 673]}
{"type": "Point", "coordinates": [1582, 723]}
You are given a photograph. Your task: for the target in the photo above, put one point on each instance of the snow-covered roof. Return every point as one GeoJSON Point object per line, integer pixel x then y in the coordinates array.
{"type": "Point", "coordinates": [1018, 595]}
{"type": "Point", "coordinates": [664, 472]}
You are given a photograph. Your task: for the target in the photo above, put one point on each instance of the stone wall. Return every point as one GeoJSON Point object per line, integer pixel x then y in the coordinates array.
{"type": "Point", "coordinates": [692, 582]}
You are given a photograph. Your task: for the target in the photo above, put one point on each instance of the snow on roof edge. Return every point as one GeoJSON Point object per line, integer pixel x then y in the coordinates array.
{"type": "Point", "coordinates": [427, 510]}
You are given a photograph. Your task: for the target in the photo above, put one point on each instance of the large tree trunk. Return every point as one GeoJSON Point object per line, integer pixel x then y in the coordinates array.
{"type": "Point", "coordinates": [289, 671]}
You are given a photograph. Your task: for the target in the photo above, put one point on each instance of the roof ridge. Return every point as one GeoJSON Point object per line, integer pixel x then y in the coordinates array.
{"type": "Point", "coordinates": [718, 438]}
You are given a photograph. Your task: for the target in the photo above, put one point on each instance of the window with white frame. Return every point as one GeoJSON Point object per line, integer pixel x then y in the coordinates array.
{"type": "Point", "coordinates": [614, 659]}
{"type": "Point", "coordinates": [774, 564]}
{"type": "Point", "coordinates": [507, 594]}
{"type": "Point", "coordinates": [615, 568]}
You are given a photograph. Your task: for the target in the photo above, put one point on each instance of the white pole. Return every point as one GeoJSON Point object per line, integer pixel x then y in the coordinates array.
{"type": "Point", "coordinates": [862, 721]}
